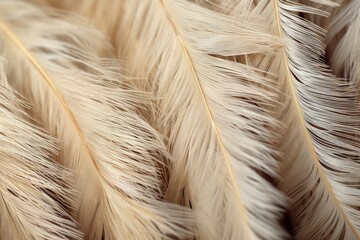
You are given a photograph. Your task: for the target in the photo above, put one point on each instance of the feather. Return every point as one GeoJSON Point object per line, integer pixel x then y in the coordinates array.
{"type": "Point", "coordinates": [87, 104]}
{"type": "Point", "coordinates": [345, 57]}
{"type": "Point", "coordinates": [218, 132]}
{"type": "Point", "coordinates": [320, 112]}
{"type": "Point", "coordinates": [320, 144]}
{"type": "Point", "coordinates": [31, 183]}
{"type": "Point", "coordinates": [208, 110]}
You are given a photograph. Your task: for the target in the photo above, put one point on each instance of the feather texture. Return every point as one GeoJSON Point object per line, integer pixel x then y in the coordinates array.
{"type": "Point", "coordinates": [86, 103]}
{"type": "Point", "coordinates": [345, 58]}
{"type": "Point", "coordinates": [227, 74]}
{"type": "Point", "coordinates": [218, 181]}
{"type": "Point", "coordinates": [320, 146]}
{"type": "Point", "coordinates": [30, 181]}
{"type": "Point", "coordinates": [218, 134]}
{"type": "Point", "coordinates": [209, 109]}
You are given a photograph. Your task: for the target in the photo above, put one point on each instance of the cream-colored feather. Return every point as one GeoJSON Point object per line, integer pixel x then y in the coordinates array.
{"type": "Point", "coordinates": [320, 143]}
{"type": "Point", "coordinates": [314, 216]}
{"type": "Point", "coordinates": [209, 109]}
{"type": "Point", "coordinates": [32, 186]}
{"type": "Point", "coordinates": [87, 104]}
{"type": "Point", "coordinates": [177, 42]}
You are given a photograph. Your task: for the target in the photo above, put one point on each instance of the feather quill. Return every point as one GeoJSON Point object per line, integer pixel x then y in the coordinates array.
{"type": "Point", "coordinates": [31, 183]}
{"type": "Point", "coordinates": [87, 104]}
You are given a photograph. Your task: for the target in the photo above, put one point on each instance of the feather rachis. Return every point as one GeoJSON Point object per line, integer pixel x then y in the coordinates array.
{"type": "Point", "coordinates": [298, 94]}
{"type": "Point", "coordinates": [32, 186]}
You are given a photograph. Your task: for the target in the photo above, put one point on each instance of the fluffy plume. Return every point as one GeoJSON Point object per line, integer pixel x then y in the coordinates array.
{"type": "Point", "coordinates": [30, 181]}
{"type": "Point", "coordinates": [219, 133]}
{"type": "Point", "coordinates": [86, 103]}
{"type": "Point", "coordinates": [241, 87]}
{"type": "Point", "coordinates": [320, 144]}
{"type": "Point", "coordinates": [209, 109]}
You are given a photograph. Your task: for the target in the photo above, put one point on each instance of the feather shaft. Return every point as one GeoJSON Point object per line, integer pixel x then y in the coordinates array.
{"type": "Point", "coordinates": [211, 119]}
{"type": "Point", "coordinates": [33, 187]}
{"type": "Point", "coordinates": [33, 61]}
{"type": "Point", "coordinates": [309, 140]}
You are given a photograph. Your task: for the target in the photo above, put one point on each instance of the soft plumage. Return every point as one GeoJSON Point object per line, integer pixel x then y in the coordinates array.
{"type": "Point", "coordinates": [85, 103]}
{"type": "Point", "coordinates": [210, 110]}
{"type": "Point", "coordinates": [200, 111]}
{"type": "Point", "coordinates": [242, 92]}
{"type": "Point", "coordinates": [33, 187]}
{"type": "Point", "coordinates": [320, 114]}
{"type": "Point", "coordinates": [320, 145]}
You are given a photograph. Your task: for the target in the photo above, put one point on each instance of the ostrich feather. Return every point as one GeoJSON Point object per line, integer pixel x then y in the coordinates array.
{"type": "Point", "coordinates": [345, 57]}
{"type": "Point", "coordinates": [320, 144]}
{"type": "Point", "coordinates": [31, 183]}
{"type": "Point", "coordinates": [87, 104]}
{"type": "Point", "coordinates": [209, 109]}
{"type": "Point", "coordinates": [174, 43]}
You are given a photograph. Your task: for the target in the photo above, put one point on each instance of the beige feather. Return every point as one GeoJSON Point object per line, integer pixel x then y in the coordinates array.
{"type": "Point", "coordinates": [87, 104]}
{"type": "Point", "coordinates": [218, 134]}
{"type": "Point", "coordinates": [209, 110]}
{"type": "Point", "coordinates": [320, 145]}
{"type": "Point", "coordinates": [320, 142]}
{"type": "Point", "coordinates": [31, 184]}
